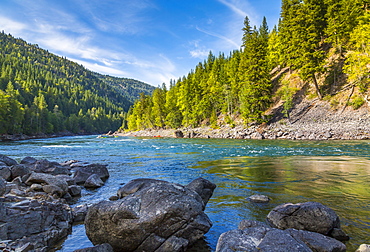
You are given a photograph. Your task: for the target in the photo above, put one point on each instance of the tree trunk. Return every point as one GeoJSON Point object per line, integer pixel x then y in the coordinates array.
{"type": "Point", "coordinates": [316, 86]}
{"type": "Point", "coordinates": [349, 97]}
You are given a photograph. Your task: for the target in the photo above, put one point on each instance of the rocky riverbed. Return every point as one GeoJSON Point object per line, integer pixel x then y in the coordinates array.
{"type": "Point", "coordinates": [309, 120]}
{"type": "Point", "coordinates": [34, 200]}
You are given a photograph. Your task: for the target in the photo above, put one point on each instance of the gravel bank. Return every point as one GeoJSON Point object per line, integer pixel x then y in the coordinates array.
{"type": "Point", "coordinates": [309, 120]}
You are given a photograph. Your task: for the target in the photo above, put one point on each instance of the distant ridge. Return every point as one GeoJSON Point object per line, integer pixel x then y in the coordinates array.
{"type": "Point", "coordinates": [41, 92]}
{"type": "Point", "coordinates": [129, 88]}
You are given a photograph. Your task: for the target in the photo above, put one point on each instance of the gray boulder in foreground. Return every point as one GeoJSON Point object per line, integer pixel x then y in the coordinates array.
{"type": "Point", "coordinates": [309, 216]}
{"type": "Point", "coordinates": [151, 215]}
{"type": "Point", "coordinates": [257, 236]}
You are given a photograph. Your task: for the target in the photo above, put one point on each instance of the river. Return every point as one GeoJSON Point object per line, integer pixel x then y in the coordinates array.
{"type": "Point", "coordinates": [335, 173]}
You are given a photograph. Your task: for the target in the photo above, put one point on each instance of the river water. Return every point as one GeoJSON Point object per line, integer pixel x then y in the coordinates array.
{"type": "Point", "coordinates": [335, 173]}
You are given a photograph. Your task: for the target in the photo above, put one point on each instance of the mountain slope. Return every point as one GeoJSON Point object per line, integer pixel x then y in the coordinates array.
{"type": "Point", "coordinates": [129, 88]}
{"type": "Point", "coordinates": [44, 93]}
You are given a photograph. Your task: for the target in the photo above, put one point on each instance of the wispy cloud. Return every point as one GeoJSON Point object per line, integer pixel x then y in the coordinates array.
{"type": "Point", "coordinates": [11, 25]}
{"type": "Point", "coordinates": [197, 50]}
{"type": "Point", "coordinates": [242, 8]}
{"type": "Point", "coordinates": [232, 5]}
{"type": "Point", "coordinates": [117, 16]}
{"type": "Point", "coordinates": [219, 36]}
{"type": "Point", "coordinates": [101, 68]}
{"type": "Point", "coordinates": [198, 53]}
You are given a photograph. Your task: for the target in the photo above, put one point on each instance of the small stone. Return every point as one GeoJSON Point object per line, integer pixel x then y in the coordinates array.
{"type": "Point", "coordinates": [113, 198]}
{"type": "Point", "coordinates": [258, 198]}
{"type": "Point", "coordinates": [74, 190]}
{"type": "Point", "coordinates": [36, 187]}
{"type": "Point", "coordinates": [79, 213]}
{"type": "Point", "coordinates": [53, 189]}
{"type": "Point", "coordinates": [179, 134]}
{"type": "Point", "coordinates": [93, 181]}
{"type": "Point", "coordinates": [363, 248]}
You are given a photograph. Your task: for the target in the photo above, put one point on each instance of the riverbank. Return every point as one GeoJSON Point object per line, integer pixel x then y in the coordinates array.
{"type": "Point", "coordinates": [17, 137]}
{"type": "Point", "coordinates": [308, 120]}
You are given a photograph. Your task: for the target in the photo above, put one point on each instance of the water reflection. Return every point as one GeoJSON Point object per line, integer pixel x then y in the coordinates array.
{"type": "Point", "coordinates": [339, 182]}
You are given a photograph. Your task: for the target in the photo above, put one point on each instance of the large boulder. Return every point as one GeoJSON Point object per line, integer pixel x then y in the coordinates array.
{"type": "Point", "coordinates": [7, 160]}
{"type": "Point", "coordinates": [257, 236]}
{"type": "Point", "coordinates": [310, 216]}
{"type": "Point", "coordinates": [151, 215]}
{"type": "Point", "coordinates": [42, 224]}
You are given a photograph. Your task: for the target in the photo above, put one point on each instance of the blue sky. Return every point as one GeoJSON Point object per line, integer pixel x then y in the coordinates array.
{"type": "Point", "coordinates": [148, 40]}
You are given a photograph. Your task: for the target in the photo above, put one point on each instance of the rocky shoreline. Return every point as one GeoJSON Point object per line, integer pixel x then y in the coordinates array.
{"type": "Point", "coordinates": [35, 198]}
{"type": "Point", "coordinates": [309, 120]}
{"type": "Point", "coordinates": [18, 137]}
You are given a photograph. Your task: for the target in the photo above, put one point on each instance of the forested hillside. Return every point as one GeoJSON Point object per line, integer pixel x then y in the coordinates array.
{"type": "Point", "coordinates": [129, 88]}
{"type": "Point", "coordinates": [319, 48]}
{"type": "Point", "coordinates": [44, 93]}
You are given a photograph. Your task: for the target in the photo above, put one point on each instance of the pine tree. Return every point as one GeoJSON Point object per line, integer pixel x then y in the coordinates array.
{"type": "Point", "coordinates": [159, 109]}
{"type": "Point", "coordinates": [358, 59]}
{"type": "Point", "coordinates": [14, 116]}
{"type": "Point", "coordinates": [256, 90]}
{"type": "Point", "coordinates": [342, 17]}
{"type": "Point", "coordinates": [301, 32]}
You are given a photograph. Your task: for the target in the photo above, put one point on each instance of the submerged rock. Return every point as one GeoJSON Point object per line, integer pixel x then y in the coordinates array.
{"type": "Point", "coordinates": [258, 198]}
{"type": "Point", "coordinates": [151, 215]}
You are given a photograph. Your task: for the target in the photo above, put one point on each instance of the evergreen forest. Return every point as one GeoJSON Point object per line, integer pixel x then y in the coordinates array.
{"type": "Point", "coordinates": [44, 93]}
{"type": "Point", "coordinates": [323, 43]}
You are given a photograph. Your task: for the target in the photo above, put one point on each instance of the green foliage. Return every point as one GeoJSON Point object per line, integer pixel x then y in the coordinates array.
{"type": "Point", "coordinates": [287, 94]}
{"type": "Point", "coordinates": [43, 93]}
{"type": "Point", "coordinates": [129, 88]}
{"type": "Point", "coordinates": [358, 58]}
{"type": "Point", "coordinates": [240, 85]}
{"type": "Point", "coordinates": [357, 102]}
{"type": "Point", "coordinates": [254, 71]}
